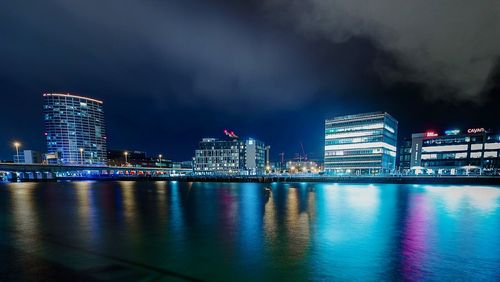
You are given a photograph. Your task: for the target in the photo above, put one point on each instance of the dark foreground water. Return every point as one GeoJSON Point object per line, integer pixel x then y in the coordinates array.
{"type": "Point", "coordinates": [163, 231]}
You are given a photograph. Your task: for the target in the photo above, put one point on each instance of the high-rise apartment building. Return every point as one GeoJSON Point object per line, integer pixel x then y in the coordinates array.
{"type": "Point", "coordinates": [75, 129]}
{"type": "Point", "coordinates": [361, 144]}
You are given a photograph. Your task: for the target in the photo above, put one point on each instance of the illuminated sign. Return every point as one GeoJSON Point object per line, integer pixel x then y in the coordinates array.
{"type": "Point", "coordinates": [452, 132]}
{"type": "Point", "coordinates": [431, 134]}
{"type": "Point", "coordinates": [476, 130]}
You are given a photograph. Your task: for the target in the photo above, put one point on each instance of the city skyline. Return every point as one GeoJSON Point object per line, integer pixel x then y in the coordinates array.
{"type": "Point", "coordinates": [316, 155]}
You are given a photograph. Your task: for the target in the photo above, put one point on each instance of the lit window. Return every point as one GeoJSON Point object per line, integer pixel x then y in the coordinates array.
{"type": "Point", "coordinates": [475, 155]}
{"type": "Point", "coordinates": [429, 156]}
{"type": "Point", "coordinates": [492, 146]}
{"type": "Point", "coordinates": [490, 154]}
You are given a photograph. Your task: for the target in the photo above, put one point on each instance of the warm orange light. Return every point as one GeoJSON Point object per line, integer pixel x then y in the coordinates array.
{"type": "Point", "coordinates": [72, 96]}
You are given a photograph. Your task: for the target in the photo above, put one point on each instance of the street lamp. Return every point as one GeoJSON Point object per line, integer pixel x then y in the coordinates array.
{"type": "Point", "coordinates": [159, 156]}
{"type": "Point", "coordinates": [81, 155]}
{"type": "Point", "coordinates": [17, 145]}
{"type": "Point", "coordinates": [126, 157]}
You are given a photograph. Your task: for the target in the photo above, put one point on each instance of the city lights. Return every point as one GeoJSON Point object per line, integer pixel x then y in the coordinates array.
{"type": "Point", "coordinates": [81, 155]}
{"type": "Point", "coordinates": [431, 133]}
{"type": "Point", "coordinates": [17, 145]}
{"type": "Point", "coordinates": [452, 132]}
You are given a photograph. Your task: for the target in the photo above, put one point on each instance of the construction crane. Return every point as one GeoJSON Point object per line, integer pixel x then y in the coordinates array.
{"type": "Point", "coordinates": [303, 152]}
{"type": "Point", "coordinates": [303, 156]}
{"type": "Point", "coordinates": [282, 154]}
{"type": "Point", "coordinates": [230, 134]}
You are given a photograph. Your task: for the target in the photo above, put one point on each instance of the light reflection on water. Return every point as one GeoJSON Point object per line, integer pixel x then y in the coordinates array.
{"type": "Point", "coordinates": [227, 231]}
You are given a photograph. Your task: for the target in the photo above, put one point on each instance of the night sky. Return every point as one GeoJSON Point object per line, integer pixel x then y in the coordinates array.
{"type": "Point", "coordinates": [173, 72]}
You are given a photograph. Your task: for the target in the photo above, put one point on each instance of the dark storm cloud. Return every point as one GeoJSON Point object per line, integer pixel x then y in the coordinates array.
{"type": "Point", "coordinates": [445, 44]}
{"type": "Point", "coordinates": [226, 61]}
{"type": "Point", "coordinates": [174, 71]}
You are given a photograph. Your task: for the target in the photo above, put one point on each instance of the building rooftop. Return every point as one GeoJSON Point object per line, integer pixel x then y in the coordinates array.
{"type": "Point", "coordinates": [360, 116]}
{"type": "Point", "coordinates": [72, 96]}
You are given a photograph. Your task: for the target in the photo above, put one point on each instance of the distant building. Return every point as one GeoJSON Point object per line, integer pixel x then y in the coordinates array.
{"type": "Point", "coordinates": [303, 167]}
{"type": "Point", "coordinates": [404, 155]}
{"type": "Point", "coordinates": [28, 157]}
{"type": "Point", "coordinates": [186, 164]}
{"type": "Point", "coordinates": [32, 157]}
{"type": "Point", "coordinates": [474, 151]}
{"type": "Point", "coordinates": [361, 144]}
{"type": "Point", "coordinates": [136, 159]}
{"type": "Point", "coordinates": [235, 156]}
{"type": "Point", "coordinates": [51, 158]}
{"type": "Point", "coordinates": [75, 129]}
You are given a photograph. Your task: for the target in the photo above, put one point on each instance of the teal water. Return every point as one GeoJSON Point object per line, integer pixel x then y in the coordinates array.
{"type": "Point", "coordinates": [164, 231]}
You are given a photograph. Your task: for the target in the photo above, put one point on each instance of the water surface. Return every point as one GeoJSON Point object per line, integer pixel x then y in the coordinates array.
{"type": "Point", "coordinates": [223, 231]}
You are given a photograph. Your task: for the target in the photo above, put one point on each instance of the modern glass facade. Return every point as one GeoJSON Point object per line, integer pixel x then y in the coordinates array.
{"type": "Point", "coordinates": [361, 144]}
{"type": "Point", "coordinates": [235, 156]}
{"type": "Point", "coordinates": [476, 151]}
{"type": "Point", "coordinates": [75, 129]}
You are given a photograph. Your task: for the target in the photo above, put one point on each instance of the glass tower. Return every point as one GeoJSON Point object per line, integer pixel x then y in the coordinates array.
{"type": "Point", "coordinates": [361, 144]}
{"type": "Point", "coordinates": [75, 130]}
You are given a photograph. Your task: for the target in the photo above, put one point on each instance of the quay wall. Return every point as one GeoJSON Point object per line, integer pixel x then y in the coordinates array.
{"type": "Point", "coordinates": [472, 180]}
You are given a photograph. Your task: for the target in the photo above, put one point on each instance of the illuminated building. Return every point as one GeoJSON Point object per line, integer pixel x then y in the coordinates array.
{"type": "Point", "coordinates": [136, 159]}
{"type": "Point", "coordinates": [75, 130]}
{"type": "Point", "coordinates": [28, 157]}
{"type": "Point", "coordinates": [235, 156]}
{"type": "Point", "coordinates": [303, 167]}
{"type": "Point", "coordinates": [474, 151]}
{"type": "Point", "coordinates": [360, 144]}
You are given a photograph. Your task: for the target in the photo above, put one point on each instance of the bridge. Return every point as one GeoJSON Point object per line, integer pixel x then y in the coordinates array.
{"type": "Point", "coordinates": [34, 172]}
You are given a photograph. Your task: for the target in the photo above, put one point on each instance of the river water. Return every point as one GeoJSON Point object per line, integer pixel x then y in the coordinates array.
{"type": "Point", "coordinates": [165, 231]}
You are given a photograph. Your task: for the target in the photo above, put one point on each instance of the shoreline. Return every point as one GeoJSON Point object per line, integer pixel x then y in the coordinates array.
{"type": "Point", "coordinates": [471, 180]}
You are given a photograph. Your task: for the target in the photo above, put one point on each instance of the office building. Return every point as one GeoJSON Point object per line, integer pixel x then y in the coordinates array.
{"type": "Point", "coordinates": [235, 156]}
{"type": "Point", "coordinates": [75, 129]}
{"type": "Point", "coordinates": [362, 144]}
{"type": "Point", "coordinates": [28, 157]}
{"type": "Point", "coordinates": [32, 157]}
{"type": "Point", "coordinates": [473, 151]}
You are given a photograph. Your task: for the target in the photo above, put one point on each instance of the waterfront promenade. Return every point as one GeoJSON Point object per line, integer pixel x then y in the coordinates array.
{"type": "Point", "coordinates": [43, 173]}
{"type": "Point", "coordinates": [347, 179]}
{"type": "Point", "coordinates": [474, 180]}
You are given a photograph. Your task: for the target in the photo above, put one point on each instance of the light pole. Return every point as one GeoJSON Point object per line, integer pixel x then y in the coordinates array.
{"type": "Point", "coordinates": [81, 156]}
{"type": "Point", "coordinates": [126, 157]}
{"type": "Point", "coordinates": [159, 157]}
{"type": "Point", "coordinates": [17, 145]}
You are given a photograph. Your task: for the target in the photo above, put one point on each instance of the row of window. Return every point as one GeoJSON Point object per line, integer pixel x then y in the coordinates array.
{"type": "Point", "coordinates": [462, 155]}
{"type": "Point", "coordinates": [354, 140]}
{"type": "Point", "coordinates": [450, 141]}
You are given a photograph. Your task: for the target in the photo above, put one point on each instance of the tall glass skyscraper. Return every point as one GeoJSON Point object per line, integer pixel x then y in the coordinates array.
{"type": "Point", "coordinates": [75, 130]}
{"type": "Point", "coordinates": [361, 144]}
